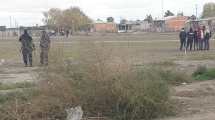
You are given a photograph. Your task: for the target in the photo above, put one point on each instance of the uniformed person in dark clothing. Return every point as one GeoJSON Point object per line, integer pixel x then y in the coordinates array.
{"type": "Point", "coordinates": [190, 39]}
{"type": "Point", "coordinates": [27, 48]}
{"type": "Point", "coordinates": [44, 46]}
{"type": "Point", "coordinates": [182, 37]}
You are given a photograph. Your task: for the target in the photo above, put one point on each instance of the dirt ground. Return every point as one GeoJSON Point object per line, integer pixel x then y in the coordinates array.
{"type": "Point", "coordinates": [12, 72]}
{"type": "Point", "coordinates": [196, 101]}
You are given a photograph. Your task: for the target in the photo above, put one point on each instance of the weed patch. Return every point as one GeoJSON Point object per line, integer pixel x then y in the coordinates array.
{"type": "Point", "coordinates": [202, 73]}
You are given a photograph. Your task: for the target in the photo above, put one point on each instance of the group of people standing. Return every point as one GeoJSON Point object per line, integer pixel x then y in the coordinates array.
{"type": "Point", "coordinates": [198, 39]}
{"type": "Point", "coordinates": [27, 48]}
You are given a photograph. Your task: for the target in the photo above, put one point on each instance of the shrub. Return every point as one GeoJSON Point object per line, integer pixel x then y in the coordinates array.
{"type": "Point", "coordinates": [123, 95]}
{"type": "Point", "coordinates": [202, 73]}
{"type": "Point", "coordinates": [100, 84]}
{"type": "Point", "coordinates": [200, 70]}
{"type": "Point", "coordinates": [16, 86]}
{"type": "Point", "coordinates": [175, 78]}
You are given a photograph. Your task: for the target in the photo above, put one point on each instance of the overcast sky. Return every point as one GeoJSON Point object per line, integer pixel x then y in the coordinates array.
{"type": "Point", "coordinates": [29, 12]}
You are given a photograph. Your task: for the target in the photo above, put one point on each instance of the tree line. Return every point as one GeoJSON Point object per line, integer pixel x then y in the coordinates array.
{"type": "Point", "coordinates": [72, 18]}
{"type": "Point", "coordinates": [75, 19]}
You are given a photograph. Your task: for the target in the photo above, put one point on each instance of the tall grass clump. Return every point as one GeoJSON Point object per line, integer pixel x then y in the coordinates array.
{"type": "Point", "coordinates": [203, 73]}
{"type": "Point", "coordinates": [102, 84]}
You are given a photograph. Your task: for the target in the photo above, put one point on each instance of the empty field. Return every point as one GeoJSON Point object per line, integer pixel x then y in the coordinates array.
{"type": "Point", "coordinates": [139, 50]}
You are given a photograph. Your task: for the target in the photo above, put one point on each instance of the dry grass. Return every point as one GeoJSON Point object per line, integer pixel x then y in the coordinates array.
{"type": "Point", "coordinates": [102, 83]}
{"type": "Point", "coordinates": [102, 78]}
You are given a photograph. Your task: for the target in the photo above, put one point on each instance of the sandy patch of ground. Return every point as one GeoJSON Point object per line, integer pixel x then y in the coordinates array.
{"type": "Point", "coordinates": [196, 101]}
{"type": "Point", "coordinates": [11, 72]}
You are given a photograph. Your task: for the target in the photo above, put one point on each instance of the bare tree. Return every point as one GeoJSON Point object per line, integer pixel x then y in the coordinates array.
{"type": "Point", "coordinates": [149, 18]}
{"type": "Point", "coordinates": [72, 18]}
{"type": "Point", "coordinates": [209, 10]}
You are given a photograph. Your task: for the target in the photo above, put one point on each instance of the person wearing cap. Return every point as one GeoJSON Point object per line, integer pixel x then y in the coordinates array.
{"type": "Point", "coordinates": [27, 47]}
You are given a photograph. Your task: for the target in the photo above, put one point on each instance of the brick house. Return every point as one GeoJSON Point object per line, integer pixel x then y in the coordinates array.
{"type": "Point", "coordinates": [175, 23]}
{"type": "Point", "coordinates": [100, 26]}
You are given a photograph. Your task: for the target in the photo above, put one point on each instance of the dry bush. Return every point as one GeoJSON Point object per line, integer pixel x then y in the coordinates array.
{"type": "Point", "coordinates": [99, 82]}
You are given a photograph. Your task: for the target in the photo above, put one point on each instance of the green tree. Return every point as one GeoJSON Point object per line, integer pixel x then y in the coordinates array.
{"type": "Point", "coordinates": [180, 14]}
{"type": "Point", "coordinates": [149, 18]}
{"type": "Point", "coordinates": [209, 10]}
{"type": "Point", "coordinates": [72, 18]}
{"type": "Point", "coordinates": [52, 17]}
{"type": "Point", "coordinates": [110, 19]}
{"type": "Point", "coordinates": [168, 13]}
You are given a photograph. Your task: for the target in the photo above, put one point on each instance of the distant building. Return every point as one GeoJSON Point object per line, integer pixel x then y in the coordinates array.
{"type": "Point", "coordinates": [141, 25]}
{"type": "Point", "coordinates": [168, 24]}
{"type": "Point", "coordinates": [34, 31]}
{"type": "Point", "coordinates": [125, 26]}
{"type": "Point", "coordinates": [100, 26]}
{"type": "Point", "coordinates": [133, 26]}
{"type": "Point", "coordinates": [158, 26]}
{"type": "Point", "coordinates": [210, 22]}
{"type": "Point", "coordinates": [192, 24]}
{"type": "Point", "coordinates": [175, 23]}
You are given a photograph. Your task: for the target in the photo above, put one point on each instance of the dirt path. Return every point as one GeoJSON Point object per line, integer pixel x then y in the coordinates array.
{"type": "Point", "coordinates": [195, 101]}
{"type": "Point", "coordinates": [11, 72]}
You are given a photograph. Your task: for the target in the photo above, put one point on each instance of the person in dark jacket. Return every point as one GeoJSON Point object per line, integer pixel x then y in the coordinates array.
{"type": "Point", "coordinates": [207, 39]}
{"type": "Point", "coordinates": [190, 39]}
{"type": "Point", "coordinates": [67, 33]}
{"type": "Point", "coordinates": [196, 41]}
{"type": "Point", "coordinates": [204, 40]}
{"type": "Point", "coordinates": [27, 48]}
{"type": "Point", "coordinates": [182, 37]}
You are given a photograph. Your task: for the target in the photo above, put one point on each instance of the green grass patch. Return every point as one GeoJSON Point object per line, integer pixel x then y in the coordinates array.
{"type": "Point", "coordinates": [165, 63]}
{"type": "Point", "coordinates": [202, 73]}
{"type": "Point", "coordinates": [17, 95]}
{"type": "Point", "coordinates": [16, 86]}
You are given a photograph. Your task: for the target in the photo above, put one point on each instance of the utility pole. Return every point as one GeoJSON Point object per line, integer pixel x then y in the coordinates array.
{"type": "Point", "coordinates": [196, 11]}
{"type": "Point", "coordinates": [10, 22]}
{"type": "Point", "coordinates": [162, 6]}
